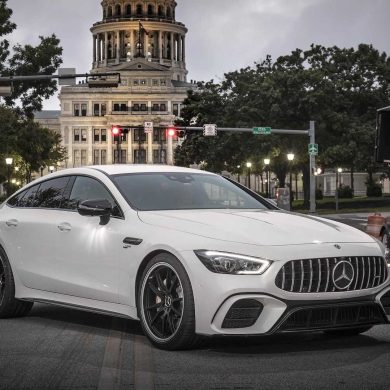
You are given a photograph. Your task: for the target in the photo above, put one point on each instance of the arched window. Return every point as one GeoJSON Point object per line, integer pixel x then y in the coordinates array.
{"type": "Point", "coordinates": [139, 10]}
{"type": "Point", "coordinates": [168, 12]}
{"type": "Point", "coordinates": [160, 11]}
{"type": "Point", "coordinates": [128, 10]}
{"type": "Point", "coordinates": [118, 10]}
{"type": "Point", "coordinates": [104, 13]}
{"type": "Point", "coordinates": [150, 10]}
{"type": "Point", "coordinates": [109, 13]}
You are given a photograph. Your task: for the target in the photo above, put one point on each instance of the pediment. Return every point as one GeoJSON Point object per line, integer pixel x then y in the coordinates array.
{"type": "Point", "coordinates": [140, 64]}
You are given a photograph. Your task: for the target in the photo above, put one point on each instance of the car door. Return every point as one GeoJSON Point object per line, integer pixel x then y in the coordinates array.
{"type": "Point", "coordinates": [85, 253]}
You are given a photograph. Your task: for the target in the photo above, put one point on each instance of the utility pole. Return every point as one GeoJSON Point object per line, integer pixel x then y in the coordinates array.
{"type": "Point", "coordinates": [312, 134]}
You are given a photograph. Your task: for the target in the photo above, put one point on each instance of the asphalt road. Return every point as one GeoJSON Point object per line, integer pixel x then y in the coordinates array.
{"type": "Point", "coordinates": [60, 348]}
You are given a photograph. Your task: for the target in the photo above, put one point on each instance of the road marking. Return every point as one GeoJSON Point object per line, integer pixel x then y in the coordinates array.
{"type": "Point", "coordinates": [143, 364]}
{"type": "Point", "coordinates": [110, 375]}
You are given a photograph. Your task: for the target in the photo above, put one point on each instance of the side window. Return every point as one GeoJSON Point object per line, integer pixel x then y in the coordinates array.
{"type": "Point", "coordinates": [51, 193]}
{"type": "Point", "coordinates": [86, 188]}
{"type": "Point", "coordinates": [29, 198]}
{"type": "Point", "coordinates": [14, 201]}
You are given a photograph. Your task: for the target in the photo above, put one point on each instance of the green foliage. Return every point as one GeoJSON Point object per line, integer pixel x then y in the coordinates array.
{"type": "Point", "coordinates": [345, 192]}
{"type": "Point", "coordinates": [45, 59]}
{"type": "Point", "coordinates": [338, 88]}
{"type": "Point", "coordinates": [373, 189]}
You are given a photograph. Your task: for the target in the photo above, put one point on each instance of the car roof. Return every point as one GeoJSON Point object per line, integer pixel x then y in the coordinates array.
{"type": "Point", "coordinates": [118, 169]}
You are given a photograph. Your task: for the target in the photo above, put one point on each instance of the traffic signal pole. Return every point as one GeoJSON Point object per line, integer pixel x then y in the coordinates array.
{"type": "Point", "coordinates": [310, 132]}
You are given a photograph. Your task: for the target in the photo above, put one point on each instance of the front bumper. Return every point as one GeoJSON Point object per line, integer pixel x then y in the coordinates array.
{"type": "Point", "coordinates": [216, 294]}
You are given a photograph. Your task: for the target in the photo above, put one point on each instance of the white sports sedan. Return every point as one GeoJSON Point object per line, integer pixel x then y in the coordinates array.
{"type": "Point", "coordinates": [188, 253]}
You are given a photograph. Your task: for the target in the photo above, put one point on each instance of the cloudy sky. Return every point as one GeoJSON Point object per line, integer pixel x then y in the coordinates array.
{"type": "Point", "coordinates": [224, 35]}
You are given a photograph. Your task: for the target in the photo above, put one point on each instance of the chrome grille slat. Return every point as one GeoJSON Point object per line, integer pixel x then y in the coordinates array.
{"type": "Point", "coordinates": [316, 275]}
{"type": "Point", "coordinates": [319, 275]}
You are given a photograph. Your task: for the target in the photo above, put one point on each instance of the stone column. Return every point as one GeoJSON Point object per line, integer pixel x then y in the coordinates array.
{"type": "Point", "coordinates": [130, 159]}
{"type": "Point", "coordinates": [160, 45]}
{"type": "Point", "coordinates": [184, 49]}
{"type": "Point", "coordinates": [133, 43]}
{"type": "Point", "coordinates": [94, 48]}
{"type": "Point", "coordinates": [90, 144]}
{"type": "Point", "coordinates": [99, 49]}
{"type": "Point", "coordinates": [150, 148]}
{"type": "Point", "coordinates": [109, 146]}
{"type": "Point", "coordinates": [70, 147]}
{"type": "Point", "coordinates": [169, 150]}
{"type": "Point", "coordinates": [172, 47]}
{"type": "Point", "coordinates": [118, 46]}
{"type": "Point", "coordinates": [179, 59]}
{"type": "Point", "coordinates": [105, 48]}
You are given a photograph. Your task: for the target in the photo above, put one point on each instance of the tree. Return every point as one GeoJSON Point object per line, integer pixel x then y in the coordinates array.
{"type": "Point", "coordinates": [38, 147]}
{"type": "Point", "coordinates": [45, 58]}
{"type": "Point", "coordinates": [340, 89]}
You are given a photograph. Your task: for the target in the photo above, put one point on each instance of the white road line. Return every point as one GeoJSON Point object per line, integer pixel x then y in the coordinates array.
{"type": "Point", "coordinates": [110, 374]}
{"type": "Point", "coordinates": [143, 364]}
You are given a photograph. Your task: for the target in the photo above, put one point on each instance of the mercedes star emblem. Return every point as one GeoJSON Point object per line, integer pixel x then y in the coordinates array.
{"type": "Point", "coordinates": [343, 274]}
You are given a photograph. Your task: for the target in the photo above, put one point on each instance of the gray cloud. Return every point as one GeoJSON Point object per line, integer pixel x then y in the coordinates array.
{"type": "Point", "coordinates": [224, 35]}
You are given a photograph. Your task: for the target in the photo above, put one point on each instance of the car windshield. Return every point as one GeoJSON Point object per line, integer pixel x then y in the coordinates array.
{"type": "Point", "coordinates": [183, 191]}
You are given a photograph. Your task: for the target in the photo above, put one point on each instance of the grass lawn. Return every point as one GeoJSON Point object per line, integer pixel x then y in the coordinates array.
{"type": "Point", "coordinates": [355, 205]}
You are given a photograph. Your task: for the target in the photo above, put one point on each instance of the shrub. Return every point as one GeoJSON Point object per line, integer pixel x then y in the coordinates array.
{"type": "Point", "coordinates": [345, 192]}
{"type": "Point", "coordinates": [319, 194]}
{"type": "Point", "coordinates": [374, 189]}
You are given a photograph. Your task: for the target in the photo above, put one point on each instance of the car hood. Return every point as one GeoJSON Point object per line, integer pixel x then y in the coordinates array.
{"type": "Point", "coordinates": [256, 227]}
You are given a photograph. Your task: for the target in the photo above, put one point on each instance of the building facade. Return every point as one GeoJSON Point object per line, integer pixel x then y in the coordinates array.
{"type": "Point", "coordinates": [142, 41]}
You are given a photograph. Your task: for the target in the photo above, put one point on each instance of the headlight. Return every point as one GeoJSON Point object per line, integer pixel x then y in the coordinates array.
{"type": "Point", "coordinates": [231, 263]}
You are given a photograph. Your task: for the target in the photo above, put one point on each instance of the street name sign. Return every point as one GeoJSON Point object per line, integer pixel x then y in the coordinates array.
{"type": "Point", "coordinates": [313, 149]}
{"type": "Point", "coordinates": [262, 130]}
{"type": "Point", "coordinates": [210, 130]}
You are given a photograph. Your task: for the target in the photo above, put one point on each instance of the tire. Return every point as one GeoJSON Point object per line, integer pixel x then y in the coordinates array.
{"type": "Point", "coordinates": [9, 305]}
{"type": "Point", "coordinates": [166, 304]}
{"type": "Point", "coordinates": [348, 332]}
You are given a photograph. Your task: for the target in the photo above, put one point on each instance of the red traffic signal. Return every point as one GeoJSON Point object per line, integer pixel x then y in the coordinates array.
{"type": "Point", "coordinates": [116, 130]}
{"type": "Point", "coordinates": [171, 131]}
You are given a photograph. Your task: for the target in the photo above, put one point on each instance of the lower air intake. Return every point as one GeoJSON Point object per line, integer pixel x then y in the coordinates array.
{"type": "Point", "coordinates": [333, 317]}
{"type": "Point", "coordinates": [242, 314]}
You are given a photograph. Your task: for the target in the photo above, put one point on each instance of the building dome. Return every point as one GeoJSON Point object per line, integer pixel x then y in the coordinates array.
{"type": "Point", "coordinates": [134, 29]}
{"type": "Point", "coordinates": [139, 9]}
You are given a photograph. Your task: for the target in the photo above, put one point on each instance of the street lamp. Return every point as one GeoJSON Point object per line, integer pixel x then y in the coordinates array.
{"type": "Point", "coordinates": [339, 170]}
{"type": "Point", "coordinates": [238, 170]}
{"type": "Point", "coordinates": [9, 161]}
{"type": "Point", "coordinates": [51, 168]}
{"type": "Point", "coordinates": [249, 166]}
{"type": "Point", "coordinates": [267, 161]}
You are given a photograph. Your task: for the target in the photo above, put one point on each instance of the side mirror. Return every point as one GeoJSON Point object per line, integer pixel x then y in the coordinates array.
{"type": "Point", "coordinates": [96, 208]}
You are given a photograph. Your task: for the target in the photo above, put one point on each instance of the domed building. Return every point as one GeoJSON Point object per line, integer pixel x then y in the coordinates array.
{"type": "Point", "coordinates": [141, 40]}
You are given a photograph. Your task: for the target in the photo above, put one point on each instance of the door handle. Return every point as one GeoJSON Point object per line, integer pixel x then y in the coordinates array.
{"type": "Point", "coordinates": [64, 227]}
{"type": "Point", "coordinates": [12, 223]}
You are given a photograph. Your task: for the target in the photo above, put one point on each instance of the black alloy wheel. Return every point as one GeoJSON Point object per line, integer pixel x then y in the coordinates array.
{"type": "Point", "coordinates": [2, 280]}
{"type": "Point", "coordinates": [9, 305]}
{"type": "Point", "coordinates": [166, 303]}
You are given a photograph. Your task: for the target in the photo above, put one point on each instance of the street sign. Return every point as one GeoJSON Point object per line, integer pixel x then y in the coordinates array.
{"type": "Point", "coordinates": [313, 149]}
{"type": "Point", "coordinates": [210, 130]}
{"type": "Point", "coordinates": [148, 127]}
{"type": "Point", "coordinates": [262, 130]}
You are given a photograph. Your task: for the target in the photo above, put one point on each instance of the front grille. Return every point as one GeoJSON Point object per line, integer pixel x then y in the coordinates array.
{"type": "Point", "coordinates": [317, 275]}
{"type": "Point", "coordinates": [242, 314]}
{"type": "Point", "coordinates": [333, 317]}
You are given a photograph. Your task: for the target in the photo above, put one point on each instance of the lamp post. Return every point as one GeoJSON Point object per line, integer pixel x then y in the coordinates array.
{"type": "Point", "coordinates": [51, 168]}
{"type": "Point", "coordinates": [266, 163]}
{"type": "Point", "coordinates": [249, 166]}
{"type": "Point", "coordinates": [338, 170]}
{"type": "Point", "coordinates": [9, 161]}
{"type": "Point", "coordinates": [290, 158]}
{"type": "Point", "coordinates": [238, 170]}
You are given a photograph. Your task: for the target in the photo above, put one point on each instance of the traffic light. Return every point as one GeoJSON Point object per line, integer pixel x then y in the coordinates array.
{"type": "Point", "coordinates": [174, 132]}
{"type": "Point", "coordinates": [116, 132]}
